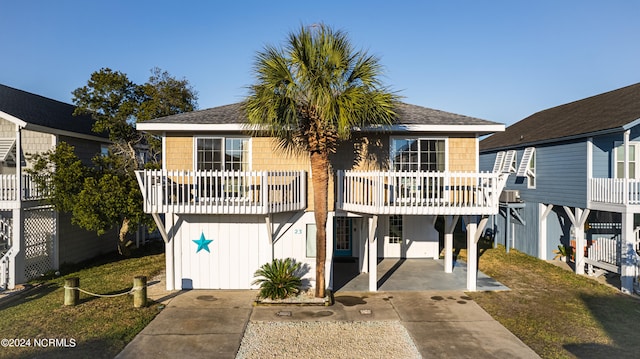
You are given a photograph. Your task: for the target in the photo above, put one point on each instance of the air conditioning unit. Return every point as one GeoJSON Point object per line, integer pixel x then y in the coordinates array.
{"type": "Point", "coordinates": [510, 196]}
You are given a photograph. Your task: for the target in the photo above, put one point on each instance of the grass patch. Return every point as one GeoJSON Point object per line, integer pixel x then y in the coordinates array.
{"type": "Point", "coordinates": [100, 327]}
{"type": "Point", "coordinates": [557, 313]}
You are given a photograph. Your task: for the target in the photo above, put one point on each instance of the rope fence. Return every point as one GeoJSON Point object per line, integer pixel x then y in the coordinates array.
{"type": "Point", "coordinates": [133, 289]}
{"type": "Point", "coordinates": [72, 292]}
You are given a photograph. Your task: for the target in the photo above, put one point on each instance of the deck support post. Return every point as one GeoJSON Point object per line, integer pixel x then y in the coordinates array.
{"type": "Point", "coordinates": [450, 223]}
{"type": "Point", "coordinates": [472, 254]}
{"type": "Point", "coordinates": [627, 254]}
{"type": "Point", "coordinates": [543, 211]}
{"type": "Point", "coordinates": [373, 254]}
{"type": "Point", "coordinates": [169, 259]}
{"type": "Point", "coordinates": [578, 220]}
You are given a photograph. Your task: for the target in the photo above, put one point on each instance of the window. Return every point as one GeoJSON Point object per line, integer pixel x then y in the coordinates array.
{"type": "Point", "coordinates": [311, 240]}
{"type": "Point", "coordinates": [395, 229]}
{"type": "Point", "coordinates": [527, 167]}
{"type": "Point", "coordinates": [634, 147]}
{"type": "Point", "coordinates": [343, 234]}
{"type": "Point", "coordinates": [217, 153]}
{"type": "Point", "coordinates": [531, 174]}
{"type": "Point", "coordinates": [104, 150]}
{"type": "Point", "coordinates": [418, 154]}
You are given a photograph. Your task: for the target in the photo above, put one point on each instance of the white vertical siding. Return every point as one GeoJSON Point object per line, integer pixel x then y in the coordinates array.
{"type": "Point", "coordinates": [421, 239]}
{"type": "Point", "coordinates": [240, 246]}
{"type": "Point", "coordinates": [231, 260]}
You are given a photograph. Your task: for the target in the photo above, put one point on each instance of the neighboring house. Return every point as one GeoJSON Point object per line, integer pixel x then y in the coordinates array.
{"type": "Point", "coordinates": [34, 239]}
{"type": "Point", "coordinates": [576, 171]}
{"type": "Point", "coordinates": [227, 203]}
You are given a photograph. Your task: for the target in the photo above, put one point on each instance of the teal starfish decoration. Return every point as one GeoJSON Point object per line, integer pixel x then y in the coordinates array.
{"type": "Point", "coordinates": [202, 243]}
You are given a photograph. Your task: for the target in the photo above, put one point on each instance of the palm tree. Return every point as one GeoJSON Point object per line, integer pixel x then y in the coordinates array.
{"type": "Point", "coordinates": [310, 94]}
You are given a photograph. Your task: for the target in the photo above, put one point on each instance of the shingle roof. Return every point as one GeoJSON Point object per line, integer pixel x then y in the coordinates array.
{"type": "Point", "coordinates": [42, 111]}
{"type": "Point", "coordinates": [418, 115]}
{"type": "Point", "coordinates": [227, 114]}
{"type": "Point", "coordinates": [407, 115]}
{"type": "Point", "coordinates": [606, 111]}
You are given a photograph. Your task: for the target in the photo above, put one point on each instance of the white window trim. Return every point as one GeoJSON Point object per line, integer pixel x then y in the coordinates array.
{"type": "Point", "coordinates": [436, 138]}
{"type": "Point", "coordinates": [393, 239]}
{"type": "Point", "coordinates": [614, 163]}
{"type": "Point", "coordinates": [223, 149]}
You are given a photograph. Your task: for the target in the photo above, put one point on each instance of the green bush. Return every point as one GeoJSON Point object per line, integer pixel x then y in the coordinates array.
{"type": "Point", "coordinates": [278, 279]}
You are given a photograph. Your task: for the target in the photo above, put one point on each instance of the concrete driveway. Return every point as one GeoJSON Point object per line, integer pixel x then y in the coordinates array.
{"type": "Point", "coordinates": [211, 323]}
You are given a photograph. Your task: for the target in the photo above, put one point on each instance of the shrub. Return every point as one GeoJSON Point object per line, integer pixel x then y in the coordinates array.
{"type": "Point", "coordinates": [278, 279]}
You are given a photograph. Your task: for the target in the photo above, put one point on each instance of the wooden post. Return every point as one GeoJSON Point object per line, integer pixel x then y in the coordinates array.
{"type": "Point", "coordinates": [140, 292]}
{"type": "Point", "coordinates": [71, 295]}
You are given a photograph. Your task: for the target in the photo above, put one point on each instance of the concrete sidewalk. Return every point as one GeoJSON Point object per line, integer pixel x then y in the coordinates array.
{"type": "Point", "coordinates": [211, 323]}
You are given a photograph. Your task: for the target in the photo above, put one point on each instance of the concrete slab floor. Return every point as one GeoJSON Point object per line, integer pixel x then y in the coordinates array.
{"type": "Point", "coordinates": [409, 275]}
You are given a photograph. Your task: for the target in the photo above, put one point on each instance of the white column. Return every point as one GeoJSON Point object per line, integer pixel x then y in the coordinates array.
{"type": "Point", "coordinates": [373, 254]}
{"type": "Point", "coordinates": [627, 254]}
{"type": "Point", "coordinates": [543, 212]}
{"type": "Point", "coordinates": [329, 242]}
{"type": "Point", "coordinates": [472, 254]}
{"type": "Point", "coordinates": [449, 225]}
{"type": "Point", "coordinates": [363, 248]}
{"type": "Point", "coordinates": [580, 242]}
{"type": "Point", "coordinates": [16, 264]}
{"type": "Point", "coordinates": [625, 194]}
{"type": "Point", "coordinates": [578, 220]}
{"type": "Point", "coordinates": [170, 253]}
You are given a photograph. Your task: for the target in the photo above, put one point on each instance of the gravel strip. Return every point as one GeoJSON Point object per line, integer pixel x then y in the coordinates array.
{"type": "Point", "coordinates": [326, 340]}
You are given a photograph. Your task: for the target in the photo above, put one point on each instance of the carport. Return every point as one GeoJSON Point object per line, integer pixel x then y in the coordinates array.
{"type": "Point", "coordinates": [399, 274]}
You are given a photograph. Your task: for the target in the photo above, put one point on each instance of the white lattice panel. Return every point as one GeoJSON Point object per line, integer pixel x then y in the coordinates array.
{"type": "Point", "coordinates": [5, 234]}
{"type": "Point", "coordinates": [39, 238]}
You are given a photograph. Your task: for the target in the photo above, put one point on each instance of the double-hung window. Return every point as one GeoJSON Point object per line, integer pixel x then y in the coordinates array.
{"type": "Point", "coordinates": [634, 169]}
{"type": "Point", "coordinates": [218, 153]}
{"type": "Point", "coordinates": [228, 154]}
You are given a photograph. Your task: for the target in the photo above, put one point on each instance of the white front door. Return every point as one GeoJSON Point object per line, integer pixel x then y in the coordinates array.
{"type": "Point", "coordinates": [394, 238]}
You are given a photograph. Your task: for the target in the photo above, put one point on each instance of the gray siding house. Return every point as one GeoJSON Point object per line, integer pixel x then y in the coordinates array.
{"type": "Point", "coordinates": [575, 182]}
{"type": "Point", "coordinates": [34, 238]}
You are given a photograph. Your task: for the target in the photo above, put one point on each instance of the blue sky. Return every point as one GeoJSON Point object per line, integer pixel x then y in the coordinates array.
{"type": "Point", "coordinates": [497, 60]}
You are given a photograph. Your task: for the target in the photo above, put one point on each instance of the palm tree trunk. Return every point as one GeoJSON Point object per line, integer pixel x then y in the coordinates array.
{"type": "Point", "coordinates": [320, 182]}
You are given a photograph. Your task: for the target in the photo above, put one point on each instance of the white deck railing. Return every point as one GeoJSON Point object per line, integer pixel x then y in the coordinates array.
{"type": "Point", "coordinates": [222, 192]}
{"type": "Point", "coordinates": [30, 190]}
{"type": "Point", "coordinates": [604, 253]}
{"type": "Point", "coordinates": [427, 193]}
{"type": "Point", "coordinates": [611, 190]}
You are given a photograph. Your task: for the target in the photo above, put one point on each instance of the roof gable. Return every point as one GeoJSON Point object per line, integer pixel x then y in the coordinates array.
{"type": "Point", "coordinates": [608, 111]}
{"type": "Point", "coordinates": [231, 116]}
{"type": "Point", "coordinates": [43, 112]}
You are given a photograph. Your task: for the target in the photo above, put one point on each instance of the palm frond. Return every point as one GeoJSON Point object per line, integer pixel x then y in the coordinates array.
{"type": "Point", "coordinates": [316, 82]}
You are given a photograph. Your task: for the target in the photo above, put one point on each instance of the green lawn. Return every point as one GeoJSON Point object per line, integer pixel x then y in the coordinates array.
{"type": "Point", "coordinates": [97, 327]}
{"type": "Point", "coordinates": [558, 313]}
